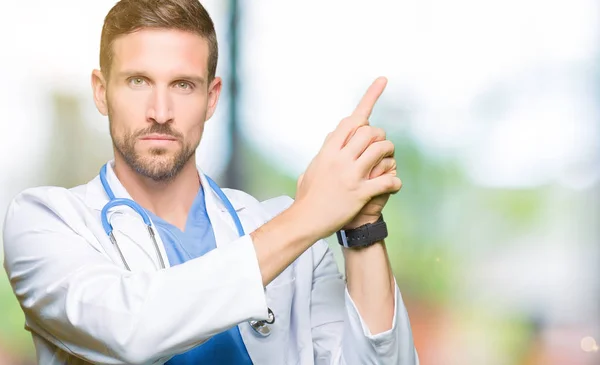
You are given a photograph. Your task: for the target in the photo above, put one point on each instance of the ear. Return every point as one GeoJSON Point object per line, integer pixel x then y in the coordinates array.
{"type": "Point", "coordinates": [99, 91]}
{"type": "Point", "coordinates": [214, 91]}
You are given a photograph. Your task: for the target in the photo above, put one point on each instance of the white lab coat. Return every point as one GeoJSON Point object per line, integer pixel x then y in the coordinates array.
{"type": "Point", "coordinates": [82, 306]}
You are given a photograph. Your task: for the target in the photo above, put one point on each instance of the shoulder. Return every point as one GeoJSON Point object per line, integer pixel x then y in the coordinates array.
{"type": "Point", "coordinates": [36, 198]}
{"type": "Point", "coordinates": [39, 206]}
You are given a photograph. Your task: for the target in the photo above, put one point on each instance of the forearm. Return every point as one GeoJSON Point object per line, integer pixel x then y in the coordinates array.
{"type": "Point", "coordinates": [85, 304]}
{"type": "Point", "coordinates": [282, 240]}
{"type": "Point", "coordinates": [371, 285]}
{"type": "Point", "coordinates": [344, 330]}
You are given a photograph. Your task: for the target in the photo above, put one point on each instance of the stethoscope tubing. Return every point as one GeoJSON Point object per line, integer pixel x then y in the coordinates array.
{"type": "Point", "coordinates": [260, 327]}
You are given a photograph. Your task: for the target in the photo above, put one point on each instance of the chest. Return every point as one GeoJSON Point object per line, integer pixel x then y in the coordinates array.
{"type": "Point", "coordinates": [288, 296]}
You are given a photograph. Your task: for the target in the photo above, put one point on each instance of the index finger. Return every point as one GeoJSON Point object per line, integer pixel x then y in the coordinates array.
{"type": "Point", "coordinates": [365, 106]}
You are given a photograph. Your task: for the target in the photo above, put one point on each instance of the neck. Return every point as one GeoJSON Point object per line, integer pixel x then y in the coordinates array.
{"type": "Point", "coordinates": [170, 200]}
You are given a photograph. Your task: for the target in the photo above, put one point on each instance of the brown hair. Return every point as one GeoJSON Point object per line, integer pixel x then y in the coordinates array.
{"type": "Point", "coordinates": [128, 16]}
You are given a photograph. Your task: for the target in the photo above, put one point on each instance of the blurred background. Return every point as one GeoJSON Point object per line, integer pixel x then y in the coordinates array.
{"type": "Point", "coordinates": [493, 106]}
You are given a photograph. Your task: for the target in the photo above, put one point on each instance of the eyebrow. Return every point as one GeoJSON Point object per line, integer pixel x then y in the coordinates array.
{"type": "Point", "coordinates": [194, 78]}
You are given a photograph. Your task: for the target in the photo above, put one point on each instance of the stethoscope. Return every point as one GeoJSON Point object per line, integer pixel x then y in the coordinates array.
{"type": "Point", "coordinates": [260, 327]}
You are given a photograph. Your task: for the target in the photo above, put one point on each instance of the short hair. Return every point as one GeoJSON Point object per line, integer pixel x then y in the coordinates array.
{"type": "Point", "coordinates": [128, 16]}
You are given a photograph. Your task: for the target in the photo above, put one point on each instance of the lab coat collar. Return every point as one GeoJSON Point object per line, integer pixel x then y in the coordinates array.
{"type": "Point", "coordinates": [96, 198]}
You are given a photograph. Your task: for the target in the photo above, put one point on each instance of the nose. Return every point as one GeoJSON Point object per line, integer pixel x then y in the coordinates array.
{"type": "Point", "coordinates": [160, 109]}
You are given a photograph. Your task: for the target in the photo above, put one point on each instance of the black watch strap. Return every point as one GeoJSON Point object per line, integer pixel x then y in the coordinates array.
{"type": "Point", "coordinates": [364, 235]}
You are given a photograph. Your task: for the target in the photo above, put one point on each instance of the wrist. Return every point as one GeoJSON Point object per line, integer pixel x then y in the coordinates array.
{"type": "Point", "coordinates": [305, 225]}
{"type": "Point", "coordinates": [361, 220]}
{"type": "Point", "coordinates": [364, 235]}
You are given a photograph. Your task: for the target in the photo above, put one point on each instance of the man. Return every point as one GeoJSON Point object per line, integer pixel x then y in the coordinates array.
{"type": "Point", "coordinates": [243, 281]}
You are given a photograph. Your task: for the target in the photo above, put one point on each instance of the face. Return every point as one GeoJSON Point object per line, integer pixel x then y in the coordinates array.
{"type": "Point", "coordinates": [157, 99]}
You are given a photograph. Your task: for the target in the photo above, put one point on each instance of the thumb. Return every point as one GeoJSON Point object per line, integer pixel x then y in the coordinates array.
{"type": "Point", "coordinates": [384, 184]}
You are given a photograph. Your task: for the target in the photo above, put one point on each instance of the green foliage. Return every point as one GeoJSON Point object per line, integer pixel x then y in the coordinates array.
{"type": "Point", "coordinates": [13, 336]}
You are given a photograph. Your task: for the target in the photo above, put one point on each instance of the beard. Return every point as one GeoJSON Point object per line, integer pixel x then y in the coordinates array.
{"type": "Point", "coordinates": [159, 164]}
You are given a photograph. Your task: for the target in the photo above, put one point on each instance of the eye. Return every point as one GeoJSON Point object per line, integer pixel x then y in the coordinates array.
{"type": "Point", "coordinates": [184, 85]}
{"type": "Point", "coordinates": [137, 81]}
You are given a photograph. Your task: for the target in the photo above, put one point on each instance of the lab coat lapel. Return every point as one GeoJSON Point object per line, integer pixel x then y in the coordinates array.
{"type": "Point", "coordinates": [262, 350]}
{"type": "Point", "coordinates": [129, 229]}
{"type": "Point", "coordinates": [222, 223]}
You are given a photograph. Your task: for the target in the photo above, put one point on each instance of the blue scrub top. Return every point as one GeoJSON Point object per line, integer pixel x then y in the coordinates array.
{"type": "Point", "coordinates": [226, 347]}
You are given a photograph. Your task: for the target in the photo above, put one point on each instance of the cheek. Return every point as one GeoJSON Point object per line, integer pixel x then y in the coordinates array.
{"type": "Point", "coordinates": [126, 112]}
{"type": "Point", "coordinates": [191, 116]}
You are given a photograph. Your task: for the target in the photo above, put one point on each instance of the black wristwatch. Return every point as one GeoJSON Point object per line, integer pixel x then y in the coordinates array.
{"type": "Point", "coordinates": [364, 235]}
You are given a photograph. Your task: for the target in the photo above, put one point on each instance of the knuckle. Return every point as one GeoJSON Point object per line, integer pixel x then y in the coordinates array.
{"type": "Point", "coordinates": [388, 163]}
{"type": "Point", "coordinates": [388, 184]}
{"type": "Point", "coordinates": [389, 146]}
{"type": "Point", "coordinates": [383, 147]}
{"type": "Point", "coordinates": [363, 131]}
{"type": "Point", "coordinates": [347, 121]}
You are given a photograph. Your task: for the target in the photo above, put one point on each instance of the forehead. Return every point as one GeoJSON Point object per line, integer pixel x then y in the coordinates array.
{"type": "Point", "coordinates": [161, 51]}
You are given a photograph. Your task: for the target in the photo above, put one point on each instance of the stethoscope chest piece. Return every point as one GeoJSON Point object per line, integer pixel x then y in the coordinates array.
{"type": "Point", "coordinates": [262, 327]}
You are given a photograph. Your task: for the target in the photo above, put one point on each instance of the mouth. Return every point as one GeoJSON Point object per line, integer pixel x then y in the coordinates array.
{"type": "Point", "coordinates": [158, 137]}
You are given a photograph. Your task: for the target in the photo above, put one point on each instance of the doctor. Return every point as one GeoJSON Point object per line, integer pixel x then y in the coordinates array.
{"type": "Point", "coordinates": [152, 263]}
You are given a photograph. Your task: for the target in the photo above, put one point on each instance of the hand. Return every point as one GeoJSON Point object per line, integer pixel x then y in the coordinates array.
{"type": "Point", "coordinates": [371, 212]}
{"type": "Point", "coordinates": [337, 183]}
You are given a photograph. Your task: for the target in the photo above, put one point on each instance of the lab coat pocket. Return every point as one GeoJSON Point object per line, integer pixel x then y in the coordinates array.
{"type": "Point", "coordinates": [280, 297]}
{"type": "Point", "coordinates": [276, 348]}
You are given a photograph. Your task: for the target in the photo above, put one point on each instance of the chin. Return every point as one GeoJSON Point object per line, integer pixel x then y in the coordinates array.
{"type": "Point", "coordinates": [161, 165]}
{"type": "Point", "coordinates": [158, 160]}
{"type": "Point", "coordinates": [158, 170]}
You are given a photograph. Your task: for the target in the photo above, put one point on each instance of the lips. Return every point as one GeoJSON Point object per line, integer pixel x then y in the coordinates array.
{"type": "Point", "coordinates": [158, 137]}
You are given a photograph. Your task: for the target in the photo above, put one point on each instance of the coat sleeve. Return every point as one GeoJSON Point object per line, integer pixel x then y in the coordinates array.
{"type": "Point", "coordinates": [340, 336]}
{"type": "Point", "coordinates": [80, 301]}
